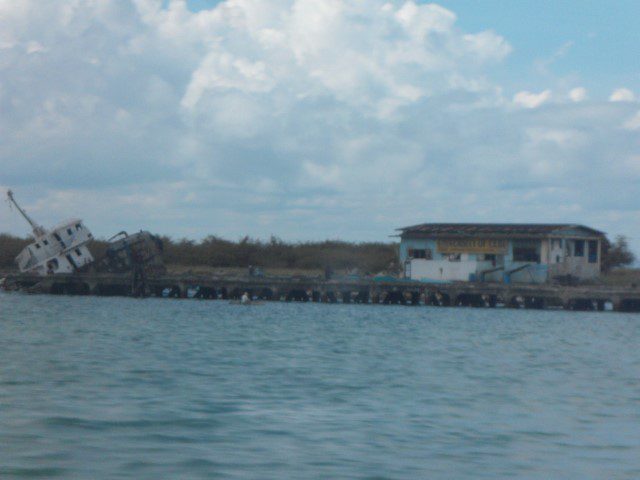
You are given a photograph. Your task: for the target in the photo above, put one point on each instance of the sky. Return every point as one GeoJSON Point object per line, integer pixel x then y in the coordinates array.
{"type": "Point", "coordinates": [312, 120]}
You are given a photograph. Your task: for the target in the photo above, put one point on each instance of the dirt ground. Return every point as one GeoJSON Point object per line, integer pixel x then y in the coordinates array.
{"type": "Point", "coordinates": [237, 271]}
{"type": "Point", "coordinates": [622, 277]}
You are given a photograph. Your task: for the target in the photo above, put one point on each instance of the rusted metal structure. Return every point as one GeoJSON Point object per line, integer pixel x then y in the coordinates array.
{"type": "Point", "coordinates": [139, 254]}
{"type": "Point", "coordinates": [128, 252]}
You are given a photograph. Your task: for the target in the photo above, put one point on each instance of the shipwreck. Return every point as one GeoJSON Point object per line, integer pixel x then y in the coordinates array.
{"type": "Point", "coordinates": [62, 249]}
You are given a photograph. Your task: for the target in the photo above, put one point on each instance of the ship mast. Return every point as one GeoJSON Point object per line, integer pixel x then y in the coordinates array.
{"type": "Point", "coordinates": [38, 230]}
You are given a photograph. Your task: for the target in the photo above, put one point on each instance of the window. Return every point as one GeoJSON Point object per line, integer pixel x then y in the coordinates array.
{"type": "Point", "coordinates": [488, 257]}
{"type": "Point", "coordinates": [78, 226]}
{"type": "Point", "coordinates": [38, 246]}
{"type": "Point", "coordinates": [454, 257]}
{"type": "Point", "coordinates": [420, 253]}
{"type": "Point", "coordinates": [57, 237]}
{"type": "Point", "coordinates": [69, 232]}
{"type": "Point", "coordinates": [46, 242]}
{"type": "Point", "coordinates": [593, 251]}
{"type": "Point", "coordinates": [78, 252]}
{"type": "Point", "coordinates": [526, 254]}
{"type": "Point", "coordinates": [579, 248]}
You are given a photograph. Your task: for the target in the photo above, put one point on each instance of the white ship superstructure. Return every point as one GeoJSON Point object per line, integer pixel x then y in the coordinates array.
{"type": "Point", "coordinates": [63, 249]}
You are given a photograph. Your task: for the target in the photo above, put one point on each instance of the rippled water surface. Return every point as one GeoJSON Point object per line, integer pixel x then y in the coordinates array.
{"type": "Point", "coordinates": [97, 388]}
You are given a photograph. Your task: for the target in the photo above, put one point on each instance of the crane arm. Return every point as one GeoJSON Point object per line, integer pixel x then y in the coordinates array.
{"type": "Point", "coordinates": [37, 229]}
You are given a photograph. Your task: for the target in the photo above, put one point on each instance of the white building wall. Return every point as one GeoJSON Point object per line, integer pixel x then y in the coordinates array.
{"type": "Point", "coordinates": [570, 264]}
{"type": "Point", "coordinates": [443, 270]}
{"type": "Point", "coordinates": [556, 251]}
{"type": "Point", "coordinates": [557, 258]}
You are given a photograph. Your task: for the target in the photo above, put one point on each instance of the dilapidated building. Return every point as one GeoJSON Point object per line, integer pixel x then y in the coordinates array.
{"type": "Point", "coordinates": [526, 253]}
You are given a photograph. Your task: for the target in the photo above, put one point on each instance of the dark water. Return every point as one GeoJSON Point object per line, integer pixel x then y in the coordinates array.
{"type": "Point", "coordinates": [97, 388]}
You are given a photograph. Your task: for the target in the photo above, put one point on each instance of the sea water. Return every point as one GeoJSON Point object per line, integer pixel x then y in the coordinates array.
{"type": "Point", "coordinates": [110, 388]}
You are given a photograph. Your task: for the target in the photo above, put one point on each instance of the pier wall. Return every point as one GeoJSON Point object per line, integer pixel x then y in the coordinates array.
{"type": "Point", "coordinates": [313, 289]}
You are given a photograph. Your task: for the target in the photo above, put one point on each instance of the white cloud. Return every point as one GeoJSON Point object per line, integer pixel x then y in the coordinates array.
{"type": "Point", "coordinates": [531, 100]}
{"type": "Point", "coordinates": [543, 65]}
{"type": "Point", "coordinates": [35, 47]}
{"type": "Point", "coordinates": [372, 58]}
{"type": "Point", "coordinates": [633, 123]}
{"type": "Point", "coordinates": [578, 94]}
{"type": "Point", "coordinates": [622, 95]}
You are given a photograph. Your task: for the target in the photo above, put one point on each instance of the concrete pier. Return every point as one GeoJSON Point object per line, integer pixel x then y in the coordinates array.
{"type": "Point", "coordinates": [315, 289]}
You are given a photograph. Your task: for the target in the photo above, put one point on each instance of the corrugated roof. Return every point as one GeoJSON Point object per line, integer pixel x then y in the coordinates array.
{"type": "Point", "coordinates": [501, 229]}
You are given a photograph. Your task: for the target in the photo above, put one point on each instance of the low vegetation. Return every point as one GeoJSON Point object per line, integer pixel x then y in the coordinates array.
{"type": "Point", "coordinates": [337, 255]}
{"type": "Point", "coordinates": [277, 255]}
{"type": "Point", "coordinates": [272, 254]}
{"type": "Point", "coordinates": [616, 254]}
{"type": "Point", "coordinates": [10, 246]}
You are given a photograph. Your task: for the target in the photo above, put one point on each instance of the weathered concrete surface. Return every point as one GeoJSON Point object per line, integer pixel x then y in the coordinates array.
{"type": "Point", "coordinates": [587, 297]}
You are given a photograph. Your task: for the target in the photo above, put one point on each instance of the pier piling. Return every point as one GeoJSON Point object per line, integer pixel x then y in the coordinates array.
{"type": "Point", "coordinates": [364, 291]}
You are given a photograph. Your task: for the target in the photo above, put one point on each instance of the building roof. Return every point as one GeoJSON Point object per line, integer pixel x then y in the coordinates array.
{"type": "Point", "coordinates": [522, 230]}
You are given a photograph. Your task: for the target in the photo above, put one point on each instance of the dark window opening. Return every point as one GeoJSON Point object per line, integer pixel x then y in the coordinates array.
{"type": "Point", "coordinates": [78, 252]}
{"type": "Point", "coordinates": [593, 251]}
{"type": "Point", "coordinates": [488, 257]}
{"type": "Point", "coordinates": [37, 245]}
{"type": "Point", "coordinates": [52, 266]}
{"type": "Point", "coordinates": [57, 237]}
{"type": "Point", "coordinates": [454, 257]}
{"type": "Point", "coordinates": [579, 248]}
{"type": "Point", "coordinates": [70, 259]}
{"type": "Point", "coordinates": [78, 226]}
{"type": "Point", "coordinates": [69, 232]}
{"type": "Point", "coordinates": [557, 258]}
{"type": "Point", "coordinates": [420, 253]}
{"type": "Point", "coordinates": [46, 242]}
{"type": "Point", "coordinates": [526, 254]}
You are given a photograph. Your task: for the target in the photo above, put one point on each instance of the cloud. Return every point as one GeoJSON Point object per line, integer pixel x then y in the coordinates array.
{"type": "Point", "coordinates": [578, 94]}
{"type": "Point", "coordinates": [300, 118]}
{"type": "Point", "coordinates": [622, 95]}
{"type": "Point", "coordinates": [633, 123]}
{"type": "Point", "coordinates": [531, 100]}
{"type": "Point", "coordinates": [389, 55]}
{"type": "Point", "coordinates": [543, 65]}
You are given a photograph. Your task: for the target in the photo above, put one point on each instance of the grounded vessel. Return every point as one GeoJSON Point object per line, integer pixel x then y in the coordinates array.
{"type": "Point", "coordinates": [62, 249]}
